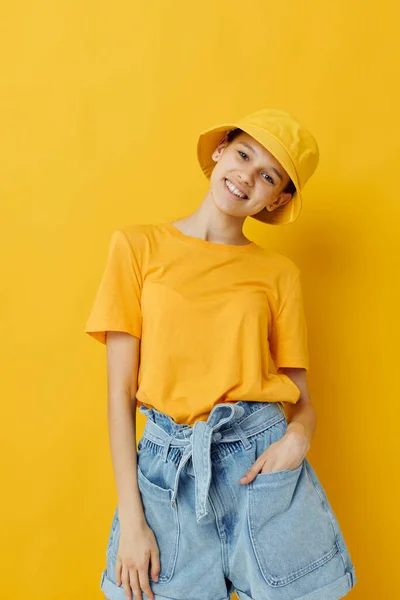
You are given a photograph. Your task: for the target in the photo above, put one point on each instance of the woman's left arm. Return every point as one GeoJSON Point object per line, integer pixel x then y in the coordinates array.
{"type": "Point", "coordinates": [302, 418]}
{"type": "Point", "coordinates": [289, 451]}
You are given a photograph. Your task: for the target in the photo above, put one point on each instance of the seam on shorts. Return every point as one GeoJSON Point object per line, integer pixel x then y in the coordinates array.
{"type": "Point", "coordinates": [224, 562]}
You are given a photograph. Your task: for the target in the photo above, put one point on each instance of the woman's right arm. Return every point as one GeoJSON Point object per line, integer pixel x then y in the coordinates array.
{"type": "Point", "coordinates": [137, 541]}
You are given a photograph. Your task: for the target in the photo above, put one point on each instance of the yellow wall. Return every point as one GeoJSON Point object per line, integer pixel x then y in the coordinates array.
{"type": "Point", "coordinates": [101, 105]}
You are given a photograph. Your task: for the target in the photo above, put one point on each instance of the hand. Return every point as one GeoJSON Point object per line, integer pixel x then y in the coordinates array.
{"type": "Point", "coordinates": [286, 453]}
{"type": "Point", "coordinates": [137, 547]}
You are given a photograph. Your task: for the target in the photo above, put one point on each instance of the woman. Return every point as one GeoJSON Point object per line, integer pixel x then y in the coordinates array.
{"type": "Point", "coordinates": [219, 496]}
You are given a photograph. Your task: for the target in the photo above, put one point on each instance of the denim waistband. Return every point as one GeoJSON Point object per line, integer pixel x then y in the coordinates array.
{"type": "Point", "coordinates": [196, 440]}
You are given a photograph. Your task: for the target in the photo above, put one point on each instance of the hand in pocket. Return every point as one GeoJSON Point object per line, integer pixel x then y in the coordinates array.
{"type": "Point", "coordinates": [285, 454]}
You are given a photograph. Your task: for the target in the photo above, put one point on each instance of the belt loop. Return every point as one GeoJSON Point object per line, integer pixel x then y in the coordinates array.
{"type": "Point", "coordinates": [239, 431]}
{"type": "Point", "coordinates": [166, 448]}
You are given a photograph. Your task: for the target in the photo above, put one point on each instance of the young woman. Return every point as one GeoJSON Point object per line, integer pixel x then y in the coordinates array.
{"type": "Point", "coordinates": [218, 497]}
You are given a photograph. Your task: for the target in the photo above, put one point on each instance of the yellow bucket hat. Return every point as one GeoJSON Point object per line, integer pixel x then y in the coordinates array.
{"type": "Point", "coordinates": [288, 141]}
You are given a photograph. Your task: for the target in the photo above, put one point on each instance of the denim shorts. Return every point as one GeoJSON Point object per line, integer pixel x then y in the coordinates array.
{"type": "Point", "coordinates": [274, 538]}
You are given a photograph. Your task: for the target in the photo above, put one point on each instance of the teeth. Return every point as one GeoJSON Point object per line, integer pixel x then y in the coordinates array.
{"type": "Point", "coordinates": [233, 189]}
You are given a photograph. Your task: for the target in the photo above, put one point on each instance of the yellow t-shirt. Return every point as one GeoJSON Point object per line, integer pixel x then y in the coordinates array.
{"type": "Point", "coordinates": [215, 321]}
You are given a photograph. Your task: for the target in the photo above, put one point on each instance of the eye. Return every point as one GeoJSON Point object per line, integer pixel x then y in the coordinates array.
{"type": "Point", "coordinates": [270, 178]}
{"type": "Point", "coordinates": [272, 181]}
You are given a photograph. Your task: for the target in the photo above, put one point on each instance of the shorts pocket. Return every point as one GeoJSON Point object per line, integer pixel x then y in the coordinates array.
{"type": "Point", "coordinates": [162, 518]}
{"type": "Point", "coordinates": [291, 529]}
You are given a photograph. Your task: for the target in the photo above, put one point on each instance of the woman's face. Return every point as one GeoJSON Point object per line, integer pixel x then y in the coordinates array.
{"type": "Point", "coordinates": [253, 170]}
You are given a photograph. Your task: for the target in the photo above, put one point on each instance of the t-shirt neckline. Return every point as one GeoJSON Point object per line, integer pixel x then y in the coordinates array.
{"type": "Point", "coordinates": [206, 243]}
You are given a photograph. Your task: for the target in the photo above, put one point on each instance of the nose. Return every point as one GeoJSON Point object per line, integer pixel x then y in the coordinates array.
{"type": "Point", "coordinates": [245, 178]}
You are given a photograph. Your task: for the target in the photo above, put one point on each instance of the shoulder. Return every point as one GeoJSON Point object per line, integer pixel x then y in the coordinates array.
{"type": "Point", "coordinates": [142, 241]}
{"type": "Point", "coordinates": [287, 265]}
{"type": "Point", "coordinates": [140, 232]}
{"type": "Point", "coordinates": [134, 237]}
{"type": "Point", "coordinates": [281, 268]}
{"type": "Point", "coordinates": [133, 232]}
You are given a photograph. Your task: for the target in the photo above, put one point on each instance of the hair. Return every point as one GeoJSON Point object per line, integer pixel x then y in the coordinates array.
{"type": "Point", "coordinates": [233, 133]}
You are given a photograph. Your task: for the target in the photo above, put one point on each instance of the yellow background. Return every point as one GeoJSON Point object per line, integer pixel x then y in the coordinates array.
{"type": "Point", "coordinates": [101, 106]}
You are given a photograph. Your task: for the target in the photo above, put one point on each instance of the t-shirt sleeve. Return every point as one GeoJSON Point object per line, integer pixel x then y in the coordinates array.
{"type": "Point", "coordinates": [288, 339]}
{"type": "Point", "coordinates": [117, 304]}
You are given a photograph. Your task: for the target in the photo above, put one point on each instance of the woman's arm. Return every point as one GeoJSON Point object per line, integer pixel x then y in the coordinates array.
{"type": "Point", "coordinates": [301, 416]}
{"type": "Point", "coordinates": [137, 547]}
{"type": "Point", "coordinates": [292, 447]}
{"type": "Point", "coordinates": [122, 367]}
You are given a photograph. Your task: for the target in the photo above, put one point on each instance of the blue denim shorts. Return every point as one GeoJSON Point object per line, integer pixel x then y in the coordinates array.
{"type": "Point", "coordinates": [275, 538]}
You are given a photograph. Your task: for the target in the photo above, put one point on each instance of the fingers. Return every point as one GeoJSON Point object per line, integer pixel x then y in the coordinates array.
{"type": "Point", "coordinates": [129, 579]}
{"type": "Point", "coordinates": [126, 583]}
{"type": "Point", "coordinates": [155, 564]}
{"type": "Point", "coordinates": [134, 582]}
{"type": "Point", "coordinates": [118, 567]}
{"type": "Point", "coordinates": [251, 473]}
{"type": "Point", "coordinates": [135, 579]}
{"type": "Point", "coordinates": [144, 582]}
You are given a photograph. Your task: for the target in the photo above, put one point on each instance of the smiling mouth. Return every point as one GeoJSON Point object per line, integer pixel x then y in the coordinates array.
{"type": "Point", "coordinates": [229, 188]}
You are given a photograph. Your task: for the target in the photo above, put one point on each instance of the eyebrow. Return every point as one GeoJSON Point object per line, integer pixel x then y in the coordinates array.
{"type": "Point", "coordinates": [272, 168]}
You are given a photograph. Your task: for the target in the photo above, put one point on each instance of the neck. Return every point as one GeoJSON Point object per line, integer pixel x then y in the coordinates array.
{"type": "Point", "coordinates": [213, 225]}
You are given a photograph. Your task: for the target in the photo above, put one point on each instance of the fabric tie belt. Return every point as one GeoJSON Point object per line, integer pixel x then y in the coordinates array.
{"type": "Point", "coordinates": [198, 443]}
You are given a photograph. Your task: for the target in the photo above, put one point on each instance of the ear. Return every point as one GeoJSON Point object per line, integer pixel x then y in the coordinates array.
{"type": "Point", "coordinates": [219, 149]}
{"type": "Point", "coordinates": [283, 199]}
{"type": "Point", "coordinates": [280, 201]}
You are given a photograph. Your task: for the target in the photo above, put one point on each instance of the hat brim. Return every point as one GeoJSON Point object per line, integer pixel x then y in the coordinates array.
{"type": "Point", "coordinates": [209, 140]}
